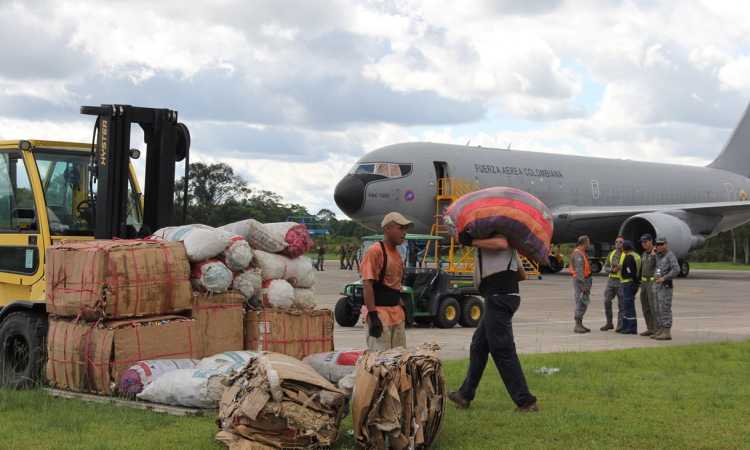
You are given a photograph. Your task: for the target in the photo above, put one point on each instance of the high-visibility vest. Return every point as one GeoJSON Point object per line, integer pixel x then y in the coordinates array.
{"type": "Point", "coordinates": [622, 259]}
{"type": "Point", "coordinates": [637, 268]}
{"type": "Point", "coordinates": [586, 268]}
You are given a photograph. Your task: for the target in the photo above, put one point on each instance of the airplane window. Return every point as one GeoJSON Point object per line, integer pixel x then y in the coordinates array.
{"type": "Point", "coordinates": [395, 170]}
{"type": "Point", "coordinates": [382, 169]}
{"type": "Point", "coordinates": [405, 169]}
{"type": "Point", "coordinates": [365, 168]}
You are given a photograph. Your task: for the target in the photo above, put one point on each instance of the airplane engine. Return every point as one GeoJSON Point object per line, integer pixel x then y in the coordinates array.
{"type": "Point", "coordinates": [679, 235]}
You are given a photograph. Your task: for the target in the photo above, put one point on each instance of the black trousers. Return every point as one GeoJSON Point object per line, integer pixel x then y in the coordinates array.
{"type": "Point", "coordinates": [494, 336]}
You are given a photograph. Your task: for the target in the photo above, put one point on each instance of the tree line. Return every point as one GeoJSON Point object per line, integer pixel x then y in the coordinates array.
{"type": "Point", "coordinates": [216, 196]}
{"type": "Point", "coordinates": [730, 246]}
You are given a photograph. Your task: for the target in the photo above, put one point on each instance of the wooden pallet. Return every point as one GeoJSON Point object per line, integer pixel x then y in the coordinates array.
{"type": "Point", "coordinates": [155, 407]}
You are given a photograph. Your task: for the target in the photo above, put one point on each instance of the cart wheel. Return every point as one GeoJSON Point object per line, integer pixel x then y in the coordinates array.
{"type": "Point", "coordinates": [472, 309]}
{"type": "Point", "coordinates": [344, 314]}
{"type": "Point", "coordinates": [448, 313]}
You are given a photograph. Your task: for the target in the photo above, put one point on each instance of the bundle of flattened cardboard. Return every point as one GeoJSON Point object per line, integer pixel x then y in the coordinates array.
{"type": "Point", "coordinates": [399, 398]}
{"type": "Point", "coordinates": [294, 332]}
{"type": "Point", "coordinates": [277, 401]}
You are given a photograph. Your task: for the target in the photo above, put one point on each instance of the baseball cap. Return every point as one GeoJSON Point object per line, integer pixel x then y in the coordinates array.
{"type": "Point", "coordinates": [646, 237]}
{"type": "Point", "coordinates": [398, 218]}
{"type": "Point", "coordinates": [660, 240]}
{"type": "Point", "coordinates": [627, 245]}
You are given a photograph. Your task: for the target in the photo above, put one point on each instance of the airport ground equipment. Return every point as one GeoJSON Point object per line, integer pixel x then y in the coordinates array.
{"type": "Point", "coordinates": [316, 226]}
{"type": "Point", "coordinates": [430, 294]}
{"type": "Point", "coordinates": [51, 191]}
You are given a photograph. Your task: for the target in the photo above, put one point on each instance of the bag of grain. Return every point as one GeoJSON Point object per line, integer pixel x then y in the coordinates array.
{"type": "Point", "coordinates": [210, 276]}
{"type": "Point", "coordinates": [296, 271]}
{"type": "Point", "coordinates": [238, 255]}
{"type": "Point", "coordinates": [248, 282]}
{"type": "Point", "coordinates": [304, 298]}
{"type": "Point", "coordinates": [277, 294]}
{"type": "Point", "coordinates": [258, 235]}
{"type": "Point", "coordinates": [201, 243]}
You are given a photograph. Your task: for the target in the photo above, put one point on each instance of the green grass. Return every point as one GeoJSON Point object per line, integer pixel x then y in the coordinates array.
{"type": "Point", "coordinates": [719, 266]}
{"type": "Point", "coordinates": [692, 396]}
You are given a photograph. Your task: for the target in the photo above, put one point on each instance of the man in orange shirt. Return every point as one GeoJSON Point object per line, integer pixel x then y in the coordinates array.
{"type": "Point", "coordinates": [382, 269]}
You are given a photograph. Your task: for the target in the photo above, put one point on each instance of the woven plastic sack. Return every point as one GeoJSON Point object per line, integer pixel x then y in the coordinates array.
{"type": "Point", "coordinates": [222, 359]}
{"type": "Point", "coordinates": [333, 366]}
{"type": "Point", "coordinates": [519, 216]}
{"type": "Point", "coordinates": [304, 298]}
{"type": "Point", "coordinates": [248, 282]}
{"type": "Point", "coordinates": [296, 271]}
{"type": "Point", "coordinates": [146, 372]}
{"type": "Point", "coordinates": [201, 243]}
{"type": "Point", "coordinates": [295, 235]}
{"type": "Point", "coordinates": [258, 235]}
{"type": "Point", "coordinates": [238, 254]}
{"type": "Point", "coordinates": [277, 294]}
{"type": "Point", "coordinates": [210, 276]}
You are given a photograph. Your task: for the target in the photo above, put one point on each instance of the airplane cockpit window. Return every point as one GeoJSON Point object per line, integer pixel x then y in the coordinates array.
{"type": "Point", "coordinates": [385, 169]}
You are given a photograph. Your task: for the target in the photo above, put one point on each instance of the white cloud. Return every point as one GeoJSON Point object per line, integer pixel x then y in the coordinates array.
{"type": "Point", "coordinates": [734, 75]}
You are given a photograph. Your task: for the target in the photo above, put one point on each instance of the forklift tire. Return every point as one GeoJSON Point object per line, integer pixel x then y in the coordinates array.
{"type": "Point", "coordinates": [472, 309]}
{"type": "Point", "coordinates": [23, 349]}
{"type": "Point", "coordinates": [345, 317]}
{"type": "Point", "coordinates": [448, 313]}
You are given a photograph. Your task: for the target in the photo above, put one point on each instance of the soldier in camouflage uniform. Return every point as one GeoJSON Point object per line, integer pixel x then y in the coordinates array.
{"type": "Point", "coordinates": [614, 286]}
{"type": "Point", "coordinates": [667, 268]}
{"type": "Point", "coordinates": [321, 256]}
{"type": "Point", "coordinates": [355, 256]}
{"type": "Point", "coordinates": [579, 267]}
{"type": "Point", "coordinates": [350, 251]}
{"type": "Point", "coordinates": [648, 266]}
{"type": "Point", "coordinates": [342, 252]}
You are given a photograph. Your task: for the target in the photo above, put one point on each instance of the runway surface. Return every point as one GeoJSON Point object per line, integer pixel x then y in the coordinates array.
{"type": "Point", "coordinates": [708, 306]}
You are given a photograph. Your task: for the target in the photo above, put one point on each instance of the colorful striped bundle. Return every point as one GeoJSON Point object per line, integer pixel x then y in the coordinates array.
{"type": "Point", "coordinates": [519, 216]}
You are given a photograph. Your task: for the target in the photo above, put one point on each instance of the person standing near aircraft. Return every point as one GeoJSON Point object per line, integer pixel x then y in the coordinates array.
{"type": "Point", "coordinates": [353, 251]}
{"type": "Point", "coordinates": [579, 267]}
{"type": "Point", "coordinates": [342, 252]}
{"type": "Point", "coordinates": [382, 270]}
{"type": "Point", "coordinates": [614, 286]}
{"type": "Point", "coordinates": [630, 283]}
{"type": "Point", "coordinates": [648, 266]}
{"type": "Point", "coordinates": [666, 270]}
{"type": "Point", "coordinates": [321, 256]}
{"type": "Point", "coordinates": [497, 271]}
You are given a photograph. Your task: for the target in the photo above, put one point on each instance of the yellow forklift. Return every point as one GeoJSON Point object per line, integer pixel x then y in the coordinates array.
{"type": "Point", "coordinates": [51, 191]}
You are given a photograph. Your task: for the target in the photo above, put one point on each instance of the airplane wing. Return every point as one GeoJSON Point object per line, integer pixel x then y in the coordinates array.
{"type": "Point", "coordinates": [573, 213]}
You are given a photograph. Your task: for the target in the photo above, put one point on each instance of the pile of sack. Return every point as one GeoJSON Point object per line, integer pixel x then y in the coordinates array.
{"type": "Point", "coordinates": [276, 401]}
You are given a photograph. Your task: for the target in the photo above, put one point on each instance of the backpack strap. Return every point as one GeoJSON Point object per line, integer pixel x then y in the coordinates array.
{"type": "Point", "coordinates": [385, 263]}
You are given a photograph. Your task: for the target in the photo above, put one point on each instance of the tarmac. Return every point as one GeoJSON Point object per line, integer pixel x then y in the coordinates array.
{"type": "Point", "coordinates": [708, 306]}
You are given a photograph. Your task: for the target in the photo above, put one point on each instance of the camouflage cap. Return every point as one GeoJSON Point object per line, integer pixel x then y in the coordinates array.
{"type": "Point", "coordinates": [660, 240]}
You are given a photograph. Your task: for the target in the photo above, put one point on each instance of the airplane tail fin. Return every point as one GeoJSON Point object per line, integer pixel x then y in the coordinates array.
{"type": "Point", "coordinates": [735, 156]}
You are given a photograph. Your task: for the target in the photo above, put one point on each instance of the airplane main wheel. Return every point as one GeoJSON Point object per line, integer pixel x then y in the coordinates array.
{"type": "Point", "coordinates": [472, 309]}
{"type": "Point", "coordinates": [684, 268]}
{"type": "Point", "coordinates": [595, 266]}
{"type": "Point", "coordinates": [554, 265]}
{"type": "Point", "coordinates": [22, 349]}
{"type": "Point", "coordinates": [344, 313]}
{"type": "Point", "coordinates": [448, 313]}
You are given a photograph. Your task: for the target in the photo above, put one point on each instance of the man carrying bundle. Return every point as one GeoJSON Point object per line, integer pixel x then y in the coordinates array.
{"type": "Point", "coordinates": [497, 271]}
{"type": "Point", "coordinates": [382, 269]}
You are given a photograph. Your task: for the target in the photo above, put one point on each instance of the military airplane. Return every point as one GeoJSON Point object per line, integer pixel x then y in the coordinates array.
{"type": "Point", "coordinates": [598, 197]}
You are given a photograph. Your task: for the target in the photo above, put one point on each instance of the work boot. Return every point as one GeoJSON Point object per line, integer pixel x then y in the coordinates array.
{"type": "Point", "coordinates": [608, 326]}
{"type": "Point", "coordinates": [587, 330]}
{"type": "Point", "coordinates": [658, 332]}
{"type": "Point", "coordinates": [579, 327]}
{"type": "Point", "coordinates": [619, 328]}
{"type": "Point", "coordinates": [648, 333]}
{"type": "Point", "coordinates": [665, 335]}
{"type": "Point", "coordinates": [458, 399]}
{"type": "Point", "coordinates": [529, 405]}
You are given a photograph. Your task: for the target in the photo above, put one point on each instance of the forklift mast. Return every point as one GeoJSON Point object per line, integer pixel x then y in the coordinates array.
{"type": "Point", "coordinates": [167, 142]}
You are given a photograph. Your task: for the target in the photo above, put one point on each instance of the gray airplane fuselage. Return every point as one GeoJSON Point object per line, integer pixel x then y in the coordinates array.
{"type": "Point", "coordinates": [587, 196]}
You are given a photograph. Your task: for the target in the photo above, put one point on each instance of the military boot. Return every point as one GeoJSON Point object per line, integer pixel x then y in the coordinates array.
{"type": "Point", "coordinates": [648, 333]}
{"type": "Point", "coordinates": [658, 332]}
{"type": "Point", "coordinates": [587, 330]}
{"type": "Point", "coordinates": [579, 327]}
{"type": "Point", "coordinates": [608, 326]}
{"type": "Point", "coordinates": [665, 334]}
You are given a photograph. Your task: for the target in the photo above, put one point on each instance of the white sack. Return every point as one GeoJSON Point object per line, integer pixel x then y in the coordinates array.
{"type": "Point", "coordinates": [333, 366]}
{"type": "Point", "coordinates": [210, 276]}
{"type": "Point", "coordinates": [304, 298]}
{"type": "Point", "coordinates": [146, 372]}
{"type": "Point", "coordinates": [277, 294]}
{"type": "Point", "coordinates": [201, 243]}
{"type": "Point", "coordinates": [197, 388]}
{"type": "Point", "coordinates": [222, 359]}
{"type": "Point", "coordinates": [296, 271]}
{"type": "Point", "coordinates": [258, 235]}
{"type": "Point", "coordinates": [248, 282]}
{"type": "Point", "coordinates": [238, 254]}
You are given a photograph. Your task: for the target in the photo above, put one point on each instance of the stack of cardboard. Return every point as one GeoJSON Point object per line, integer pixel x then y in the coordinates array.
{"type": "Point", "coordinates": [399, 399]}
{"type": "Point", "coordinates": [108, 302]}
{"type": "Point", "coordinates": [293, 332]}
{"type": "Point", "coordinates": [276, 401]}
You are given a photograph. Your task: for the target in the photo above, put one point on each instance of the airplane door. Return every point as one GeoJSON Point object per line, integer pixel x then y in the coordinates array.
{"type": "Point", "coordinates": [730, 192]}
{"type": "Point", "coordinates": [442, 170]}
{"type": "Point", "coordinates": [595, 188]}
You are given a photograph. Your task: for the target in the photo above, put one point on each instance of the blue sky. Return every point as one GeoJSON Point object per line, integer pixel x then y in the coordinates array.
{"type": "Point", "coordinates": [293, 93]}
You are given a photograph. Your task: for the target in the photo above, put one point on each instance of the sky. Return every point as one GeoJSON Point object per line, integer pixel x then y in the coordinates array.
{"type": "Point", "coordinates": [293, 93]}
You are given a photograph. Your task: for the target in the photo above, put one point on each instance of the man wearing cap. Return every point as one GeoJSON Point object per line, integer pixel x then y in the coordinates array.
{"type": "Point", "coordinates": [382, 269]}
{"type": "Point", "coordinates": [667, 269]}
{"type": "Point", "coordinates": [614, 286]}
{"type": "Point", "coordinates": [579, 267]}
{"type": "Point", "coordinates": [497, 271]}
{"type": "Point", "coordinates": [648, 266]}
{"type": "Point", "coordinates": [342, 252]}
{"type": "Point", "coordinates": [321, 256]}
{"type": "Point", "coordinates": [629, 279]}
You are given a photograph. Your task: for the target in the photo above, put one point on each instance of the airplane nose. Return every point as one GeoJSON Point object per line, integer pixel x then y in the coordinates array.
{"type": "Point", "coordinates": [349, 195]}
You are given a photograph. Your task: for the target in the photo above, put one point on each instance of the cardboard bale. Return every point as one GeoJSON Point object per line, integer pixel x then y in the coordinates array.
{"type": "Point", "coordinates": [219, 319]}
{"type": "Point", "coordinates": [117, 279]}
{"type": "Point", "coordinates": [396, 389]}
{"type": "Point", "coordinates": [276, 401]}
{"type": "Point", "coordinates": [293, 332]}
{"type": "Point", "coordinates": [92, 357]}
